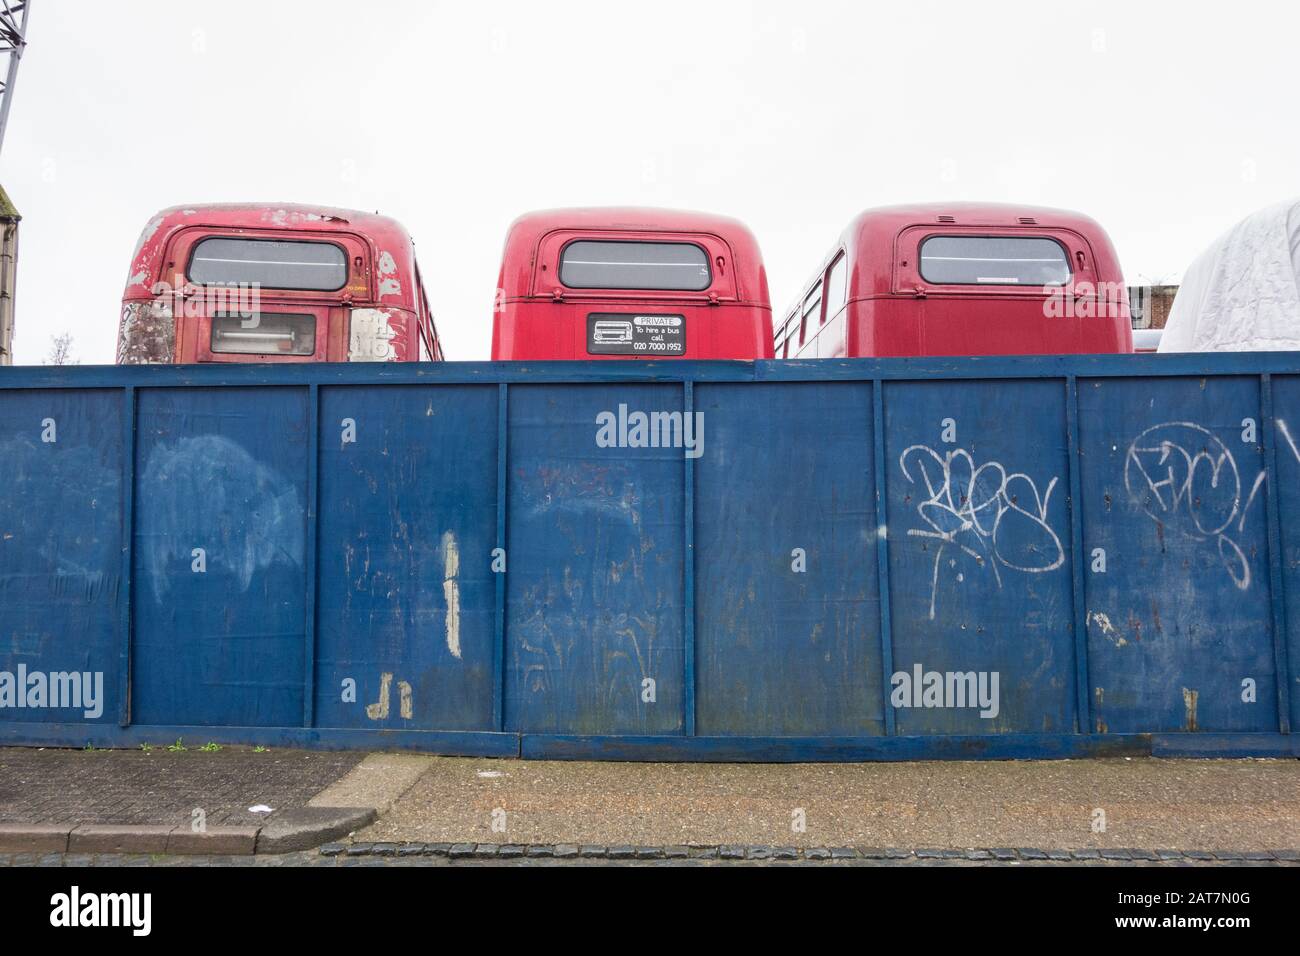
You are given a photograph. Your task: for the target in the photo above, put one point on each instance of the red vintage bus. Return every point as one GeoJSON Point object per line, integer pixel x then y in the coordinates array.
{"type": "Point", "coordinates": [962, 279]}
{"type": "Point", "coordinates": [251, 282]}
{"type": "Point", "coordinates": [631, 283]}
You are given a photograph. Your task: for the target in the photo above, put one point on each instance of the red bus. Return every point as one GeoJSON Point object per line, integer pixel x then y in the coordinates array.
{"type": "Point", "coordinates": [630, 283]}
{"type": "Point", "coordinates": [251, 282]}
{"type": "Point", "coordinates": [962, 279]}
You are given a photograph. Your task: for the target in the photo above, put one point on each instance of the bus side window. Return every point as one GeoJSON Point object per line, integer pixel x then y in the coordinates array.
{"type": "Point", "coordinates": [837, 286]}
{"type": "Point", "coordinates": [781, 347]}
{"type": "Point", "coordinates": [429, 350]}
{"type": "Point", "coordinates": [422, 331]}
{"type": "Point", "coordinates": [812, 307]}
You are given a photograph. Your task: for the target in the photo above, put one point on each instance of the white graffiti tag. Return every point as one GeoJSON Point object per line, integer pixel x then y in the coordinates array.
{"type": "Point", "coordinates": [1184, 477]}
{"type": "Point", "coordinates": [988, 514]}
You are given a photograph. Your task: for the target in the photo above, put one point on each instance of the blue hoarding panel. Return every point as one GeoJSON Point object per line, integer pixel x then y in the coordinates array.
{"type": "Point", "coordinates": [1180, 636]}
{"type": "Point", "coordinates": [944, 558]}
{"type": "Point", "coordinates": [980, 574]}
{"type": "Point", "coordinates": [60, 555]}
{"type": "Point", "coordinates": [594, 624]}
{"type": "Point", "coordinates": [787, 614]}
{"type": "Point", "coordinates": [406, 599]}
{"type": "Point", "coordinates": [220, 590]}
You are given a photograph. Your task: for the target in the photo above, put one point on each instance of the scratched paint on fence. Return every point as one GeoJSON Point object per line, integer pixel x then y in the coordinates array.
{"type": "Point", "coordinates": [1179, 613]}
{"type": "Point", "coordinates": [595, 586]}
{"type": "Point", "coordinates": [1286, 441]}
{"type": "Point", "coordinates": [979, 572]}
{"type": "Point", "coordinates": [219, 628]}
{"type": "Point", "coordinates": [406, 600]}
{"type": "Point", "coordinates": [787, 612]}
{"type": "Point", "coordinates": [60, 549]}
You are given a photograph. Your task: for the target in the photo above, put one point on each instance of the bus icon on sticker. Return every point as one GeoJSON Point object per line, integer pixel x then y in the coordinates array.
{"type": "Point", "coordinates": [610, 332]}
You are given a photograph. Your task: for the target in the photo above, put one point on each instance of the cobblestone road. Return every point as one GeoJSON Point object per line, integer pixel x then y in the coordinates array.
{"type": "Point", "coordinates": [315, 859]}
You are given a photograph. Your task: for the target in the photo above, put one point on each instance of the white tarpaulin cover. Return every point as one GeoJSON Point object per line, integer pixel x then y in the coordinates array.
{"type": "Point", "coordinates": [1243, 293]}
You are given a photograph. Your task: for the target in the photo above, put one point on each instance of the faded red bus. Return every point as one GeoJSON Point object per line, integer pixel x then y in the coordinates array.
{"type": "Point", "coordinates": [631, 284]}
{"type": "Point", "coordinates": [250, 282]}
{"type": "Point", "coordinates": [962, 279]}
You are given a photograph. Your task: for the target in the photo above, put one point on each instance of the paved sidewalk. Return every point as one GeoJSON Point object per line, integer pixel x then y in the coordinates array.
{"type": "Point", "coordinates": [191, 800]}
{"type": "Point", "coordinates": [61, 806]}
{"type": "Point", "coordinates": [1196, 805]}
{"type": "Point", "coordinates": [160, 787]}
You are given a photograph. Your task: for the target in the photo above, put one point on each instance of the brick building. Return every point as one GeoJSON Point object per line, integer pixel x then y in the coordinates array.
{"type": "Point", "coordinates": [1150, 305]}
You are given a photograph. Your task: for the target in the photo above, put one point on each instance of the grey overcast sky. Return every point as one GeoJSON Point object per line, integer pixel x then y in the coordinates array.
{"type": "Point", "coordinates": [1165, 121]}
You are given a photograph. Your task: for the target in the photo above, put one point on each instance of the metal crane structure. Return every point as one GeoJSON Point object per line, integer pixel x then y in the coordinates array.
{"type": "Point", "coordinates": [13, 39]}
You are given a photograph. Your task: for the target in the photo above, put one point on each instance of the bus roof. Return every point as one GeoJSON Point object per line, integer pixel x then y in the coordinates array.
{"type": "Point", "coordinates": [631, 218]}
{"type": "Point", "coordinates": [526, 232]}
{"type": "Point", "coordinates": [893, 218]}
{"type": "Point", "coordinates": [385, 233]}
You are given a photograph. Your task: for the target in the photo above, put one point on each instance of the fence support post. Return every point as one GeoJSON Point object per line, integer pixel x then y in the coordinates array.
{"type": "Point", "coordinates": [313, 521]}
{"type": "Point", "coordinates": [1276, 586]}
{"type": "Point", "coordinates": [128, 552]}
{"type": "Point", "coordinates": [882, 551]}
{"type": "Point", "coordinates": [499, 618]}
{"type": "Point", "coordinates": [1083, 722]}
{"type": "Point", "coordinates": [688, 572]}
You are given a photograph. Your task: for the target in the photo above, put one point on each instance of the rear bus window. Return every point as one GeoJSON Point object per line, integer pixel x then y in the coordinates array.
{"type": "Point", "coordinates": [661, 266]}
{"type": "Point", "coordinates": [993, 260]}
{"type": "Point", "coordinates": [264, 334]}
{"type": "Point", "coordinates": [271, 263]}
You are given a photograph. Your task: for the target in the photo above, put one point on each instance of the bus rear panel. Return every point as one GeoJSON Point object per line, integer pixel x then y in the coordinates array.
{"type": "Point", "coordinates": [630, 284]}
{"type": "Point", "coordinates": [962, 279]}
{"type": "Point", "coordinates": [267, 283]}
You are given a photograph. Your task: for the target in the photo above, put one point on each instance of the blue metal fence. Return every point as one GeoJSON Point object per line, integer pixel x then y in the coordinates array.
{"type": "Point", "coordinates": [831, 560]}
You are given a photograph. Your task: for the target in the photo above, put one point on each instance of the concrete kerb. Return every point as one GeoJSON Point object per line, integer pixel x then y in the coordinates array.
{"type": "Point", "coordinates": [350, 803]}
{"type": "Point", "coordinates": [300, 829]}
